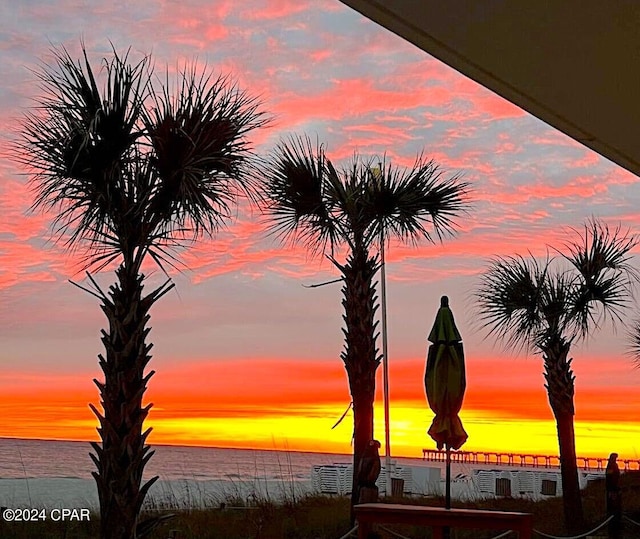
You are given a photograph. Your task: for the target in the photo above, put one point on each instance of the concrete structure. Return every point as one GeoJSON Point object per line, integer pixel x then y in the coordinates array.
{"type": "Point", "coordinates": [574, 64]}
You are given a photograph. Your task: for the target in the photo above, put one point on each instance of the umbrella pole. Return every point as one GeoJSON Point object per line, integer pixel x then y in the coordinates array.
{"type": "Point", "coordinates": [446, 531]}
{"type": "Point", "coordinates": [447, 495]}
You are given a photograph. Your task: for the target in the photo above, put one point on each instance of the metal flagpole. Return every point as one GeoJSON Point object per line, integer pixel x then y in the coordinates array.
{"type": "Point", "coordinates": [385, 365]}
{"type": "Point", "coordinates": [385, 352]}
{"type": "Point", "coordinates": [377, 175]}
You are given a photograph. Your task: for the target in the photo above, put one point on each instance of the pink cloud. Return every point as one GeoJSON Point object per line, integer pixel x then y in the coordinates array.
{"type": "Point", "coordinates": [619, 176]}
{"type": "Point", "coordinates": [578, 187]}
{"type": "Point", "coordinates": [15, 218]}
{"type": "Point", "coordinates": [215, 32]}
{"type": "Point", "coordinates": [350, 98]}
{"type": "Point", "coordinates": [437, 79]}
{"type": "Point", "coordinates": [391, 118]}
{"type": "Point", "coordinates": [394, 134]}
{"type": "Point", "coordinates": [589, 159]}
{"type": "Point", "coordinates": [485, 101]}
{"type": "Point", "coordinates": [554, 138]}
{"type": "Point", "coordinates": [321, 54]}
{"type": "Point", "coordinates": [275, 9]}
{"type": "Point", "coordinates": [22, 262]}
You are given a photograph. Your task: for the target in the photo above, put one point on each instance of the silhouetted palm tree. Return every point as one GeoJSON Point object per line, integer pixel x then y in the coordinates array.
{"type": "Point", "coordinates": [132, 172]}
{"type": "Point", "coordinates": [529, 303]}
{"type": "Point", "coordinates": [634, 341]}
{"type": "Point", "coordinates": [310, 202]}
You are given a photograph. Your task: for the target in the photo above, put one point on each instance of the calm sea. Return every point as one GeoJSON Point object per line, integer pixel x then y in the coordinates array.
{"type": "Point", "coordinates": [42, 473]}
{"type": "Point", "coordinates": [39, 473]}
{"type": "Point", "coordinates": [37, 459]}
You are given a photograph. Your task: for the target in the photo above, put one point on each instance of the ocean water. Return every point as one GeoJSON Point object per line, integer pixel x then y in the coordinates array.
{"type": "Point", "coordinates": [37, 459]}
{"type": "Point", "coordinates": [43, 473]}
{"type": "Point", "coordinates": [47, 474]}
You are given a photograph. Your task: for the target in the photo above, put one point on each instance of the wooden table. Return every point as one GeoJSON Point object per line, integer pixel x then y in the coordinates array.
{"type": "Point", "coordinates": [438, 518]}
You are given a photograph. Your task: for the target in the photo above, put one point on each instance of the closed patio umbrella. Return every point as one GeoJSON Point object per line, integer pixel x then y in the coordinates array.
{"type": "Point", "coordinates": [445, 383]}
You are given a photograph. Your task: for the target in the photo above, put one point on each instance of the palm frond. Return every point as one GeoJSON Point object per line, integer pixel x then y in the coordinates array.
{"type": "Point", "coordinates": [413, 204]}
{"type": "Point", "coordinates": [602, 259]}
{"type": "Point", "coordinates": [125, 180]}
{"type": "Point", "coordinates": [294, 194]}
{"type": "Point", "coordinates": [77, 141]}
{"type": "Point", "coordinates": [600, 249]}
{"type": "Point", "coordinates": [526, 303]}
{"type": "Point", "coordinates": [510, 298]}
{"type": "Point", "coordinates": [556, 302]}
{"type": "Point", "coordinates": [200, 149]}
{"type": "Point", "coordinates": [348, 192]}
{"type": "Point", "coordinates": [605, 299]}
{"type": "Point", "coordinates": [308, 198]}
{"type": "Point", "coordinates": [633, 339]}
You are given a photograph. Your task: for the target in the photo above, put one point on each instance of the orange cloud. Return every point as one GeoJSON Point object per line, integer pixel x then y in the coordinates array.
{"type": "Point", "coordinates": [262, 402]}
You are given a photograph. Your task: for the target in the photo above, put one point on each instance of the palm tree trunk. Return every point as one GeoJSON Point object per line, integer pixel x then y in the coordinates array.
{"type": "Point", "coordinates": [560, 390]}
{"type": "Point", "coordinates": [122, 455]}
{"type": "Point", "coordinates": [360, 355]}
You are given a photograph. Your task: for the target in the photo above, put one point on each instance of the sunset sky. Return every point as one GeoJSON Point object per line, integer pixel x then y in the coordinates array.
{"type": "Point", "coordinates": [245, 355]}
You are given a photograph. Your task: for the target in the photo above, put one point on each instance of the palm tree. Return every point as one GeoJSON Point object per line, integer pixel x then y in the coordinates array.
{"type": "Point", "coordinates": [546, 309]}
{"type": "Point", "coordinates": [132, 172]}
{"type": "Point", "coordinates": [309, 202]}
{"type": "Point", "coordinates": [634, 341]}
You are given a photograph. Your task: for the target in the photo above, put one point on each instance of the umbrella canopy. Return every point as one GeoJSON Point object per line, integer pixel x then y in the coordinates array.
{"type": "Point", "coordinates": [445, 379]}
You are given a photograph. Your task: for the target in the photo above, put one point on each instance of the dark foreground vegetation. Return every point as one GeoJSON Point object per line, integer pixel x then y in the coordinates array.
{"type": "Point", "coordinates": [321, 517]}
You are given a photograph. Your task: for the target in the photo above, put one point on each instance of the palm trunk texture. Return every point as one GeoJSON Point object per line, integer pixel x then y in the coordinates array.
{"type": "Point", "coordinates": [560, 390]}
{"type": "Point", "coordinates": [360, 353]}
{"type": "Point", "coordinates": [122, 455]}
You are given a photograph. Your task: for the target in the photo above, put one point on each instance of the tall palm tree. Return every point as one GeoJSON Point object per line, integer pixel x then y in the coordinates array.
{"type": "Point", "coordinates": [132, 172]}
{"type": "Point", "coordinates": [546, 309]}
{"type": "Point", "coordinates": [332, 211]}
